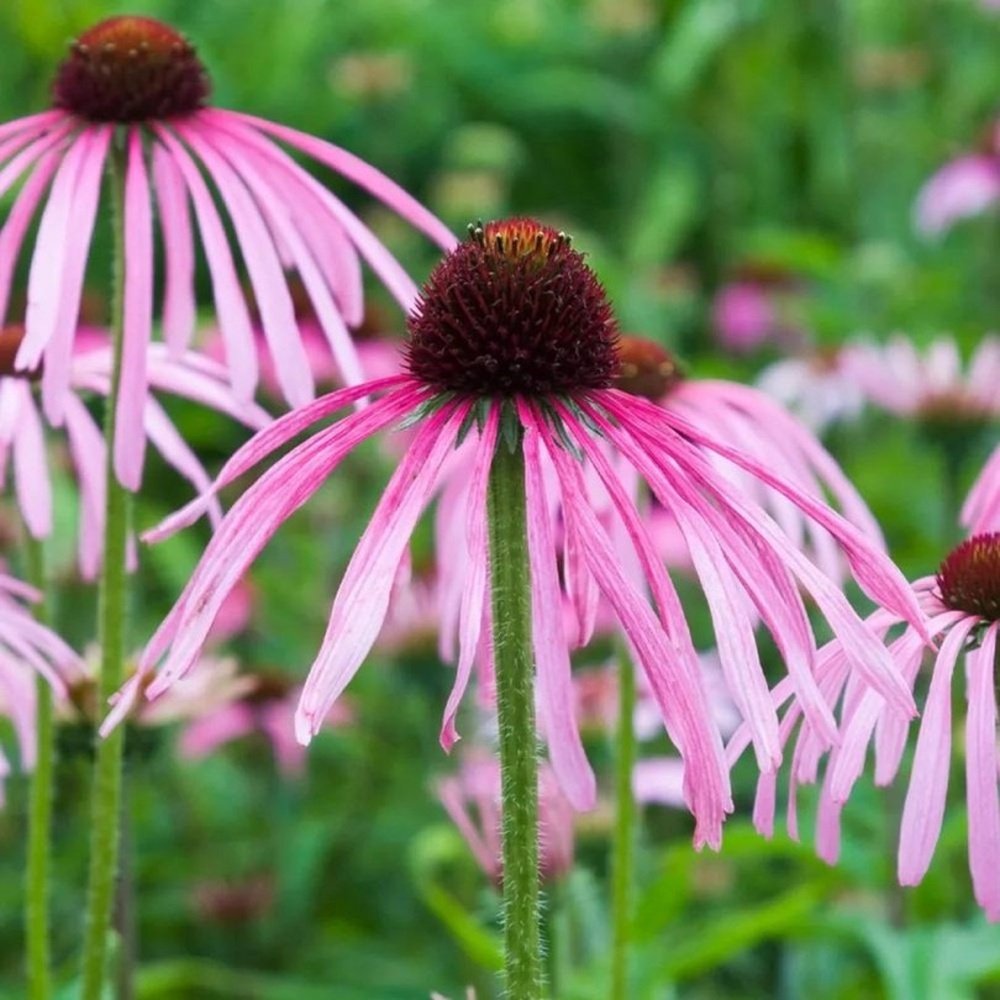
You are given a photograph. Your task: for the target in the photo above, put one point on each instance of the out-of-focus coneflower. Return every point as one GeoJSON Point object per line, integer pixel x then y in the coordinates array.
{"type": "Point", "coordinates": [513, 345]}
{"type": "Point", "coordinates": [931, 386]}
{"type": "Point", "coordinates": [816, 386]}
{"type": "Point", "coordinates": [27, 650]}
{"type": "Point", "coordinates": [472, 799]}
{"type": "Point", "coordinates": [962, 605]}
{"type": "Point", "coordinates": [751, 310]}
{"type": "Point", "coordinates": [22, 428]}
{"type": "Point", "coordinates": [136, 85]}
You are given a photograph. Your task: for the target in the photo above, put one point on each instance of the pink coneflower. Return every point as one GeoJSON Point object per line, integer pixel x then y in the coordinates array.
{"type": "Point", "coordinates": [962, 604]}
{"type": "Point", "coordinates": [27, 649]}
{"type": "Point", "coordinates": [22, 436]}
{"type": "Point", "coordinates": [513, 346]}
{"type": "Point", "coordinates": [981, 512]}
{"type": "Point", "coordinates": [140, 80]}
{"type": "Point", "coordinates": [472, 800]}
{"type": "Point", "coordinates": [265, 704]}
{"type": "Point", "coordinates": [930, 385]}
{"type": "Point", "coordinates": [964, 187]}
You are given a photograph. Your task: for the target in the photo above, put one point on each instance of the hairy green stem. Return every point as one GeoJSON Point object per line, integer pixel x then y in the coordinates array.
{"type": "Point", "coordinates": [510, 579]}
{"type": "Point", "coordinates": [36, 912]}
{"type": "Point", "coordinates": [106, 794]}
{"type": "Point", "coordinates": [623, 848]}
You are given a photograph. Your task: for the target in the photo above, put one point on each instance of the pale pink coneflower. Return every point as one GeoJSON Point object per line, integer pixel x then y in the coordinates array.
{"type": "Point", "coordinates": [962, 605]}
{"type": "Point", "coordinates": [816, 387]}
{"type": "Point", "coordinates": [471, 797]}
{"type": "Point", "coordinates": [513, 345]}
{"type": "Point", "coordinates": [27, 649]}
{"type": "Point", "coordinates": [930, 385]}
{"type": "Point", "coordinates": [981, 511]}
{"type": "Point", "coordinates": [22, 429]}
{"type": "Point", "coordinates": [266, 705]}
{"type": "Point", "coordinates": [137, 81]}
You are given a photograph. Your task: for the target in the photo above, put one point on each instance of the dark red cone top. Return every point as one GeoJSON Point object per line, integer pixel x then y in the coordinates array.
{"type": "Point", "coordinates": [646, 368]}
{"type": "Point", "coordinates": [969, 578]}
{"type": "Point", "coordinates": [130, 69]}
{"type": "Point", "coordinates": [513, 310]}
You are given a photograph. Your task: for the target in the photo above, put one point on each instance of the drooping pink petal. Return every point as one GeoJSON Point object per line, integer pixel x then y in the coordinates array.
{"type": "Point", "coordinates": [280, 432]}
{"type": "Point", "coordinates": [473, 599]}
{"type": "Point", "coordinates": [248, 526]}
{"type": "Point", "coordinates": [13, 232]}
{"type": "Point", "coordinates": [981, 511]}
{"type": "Point", "coordinates": [356, 170]}
{"type": "Point", "coordinates": [55, 279]}
{"type": "Point", "coordinates": [266, 275]}
{"type": "Point", "coordinates": [137, 322]}
{"type": "Point", "coordinates": [925, 798]}
{"type": "Point", "coordinates": [363, 596]}
{"type": "Point", "coordinates": [86, 447]}
{"type": "Point", "coordinates": [682, 701]}
{"type": "Point", "coordinates": [552, 665]}
{"type": "Point", "coordinates": [179, 310]}
{"type": "Point", "coordinates": [234, 320]}
{"type": "Point", "coordinates": [981, 774]}
{"type": "Point", "coordinates": [31, 471]}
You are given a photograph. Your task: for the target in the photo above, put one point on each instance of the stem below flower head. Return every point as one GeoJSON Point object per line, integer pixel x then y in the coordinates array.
{"type": "Point", "coordinates": [623, 856]}
{"type": "Point", "coordinates": [106, 795]}
{"type": "Point", "coordinates": [510, 581]}
{"type": "Point", "coordinates": [36, 911]}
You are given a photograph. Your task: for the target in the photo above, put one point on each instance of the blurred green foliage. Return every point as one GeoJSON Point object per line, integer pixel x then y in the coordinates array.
{"type": "Point", "coordinates": [676, 140]}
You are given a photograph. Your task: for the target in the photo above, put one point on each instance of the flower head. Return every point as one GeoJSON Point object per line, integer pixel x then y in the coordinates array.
{"type": "Point", "coordinates": [962, 604]}
{"type": "Point", "coordinates": [140, 80]}
{"type": "Point", "coordinates": [552, 398]}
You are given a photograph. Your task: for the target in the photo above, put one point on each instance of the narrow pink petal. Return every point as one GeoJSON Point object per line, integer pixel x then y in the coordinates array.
{"type": "Point", "coordinates": [137, 326]}
{"type": "Point", "coordinates": [983, 801]}
{"type": "Point", "coordinates": [266, 275]}
{"type": "Point", "coordinates": [31, 471]}
{"type": "Point", "coordinates": [683, 703]}
{"type": "Point", "coordinates": [409, 396]}
{"type": "Point", "coordinates": [981, 511]}
{"type": "Point", "coordinates": [473, 601]}
{"type": "Point", "coordinates": [925, 798]}
{"type": "Point", "coordinates": [883, 582]}
{"type": "Point", "coordinates": [179, 310]}
{"type": "Point", "coordinates": [552, 666]}
{"type": "Point", "coordinates": [234, 320]}
{"type": "Point", "coordinates": [450, 793]}
{"type": "Point", "coordinates": [48, 262]}
{"type": "Point", "coordinates": [14, 229]}
{"type": "Point", "coordinates": [247, 527]}
{"type": "Point", "coordinates": [764, 803]}
{"type": "Point", "coordinates": [307, 241]}
{"type": "Point", "coordinates": [356, 170]}
{"type": "Point", "coordinates": [363, 596]}
{"type": "Point", "coordinates": [167, 440]}
{"type": "Point", "coordinates": [86, 447]}
{"type": "Point", "coordinates": [867, 653]}
{"type": "Point", "coordinates": [35, 123]}
{"type": "Point", "coordinates": [30, 154]}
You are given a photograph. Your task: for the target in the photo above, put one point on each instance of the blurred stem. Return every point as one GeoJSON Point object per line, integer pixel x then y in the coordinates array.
{"type": "Point", "coordinates": [623, 856]}
{"type": "Point", "coordinates": [36, 914]}
{"type": "Point", "coordinates": [510, 579]}
{"type": "Point", "coordinates": [108, 753]}
{"type": "Point", "coordinates": [560, 935]}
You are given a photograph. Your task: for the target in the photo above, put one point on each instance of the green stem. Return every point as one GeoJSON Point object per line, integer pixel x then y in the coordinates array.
{"type": "Point", "coordinates": [36, 912]}
{"type": "Point", "coordinates": [510, 579]}
{"type": "Point", "coordinates": [106, 795]}
{"type": "Point", "coordinates": [623, 857]}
